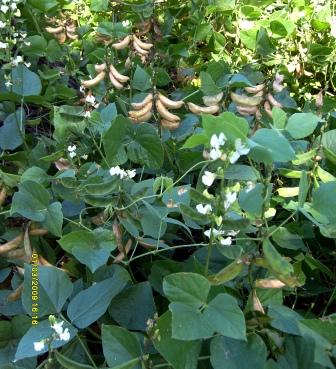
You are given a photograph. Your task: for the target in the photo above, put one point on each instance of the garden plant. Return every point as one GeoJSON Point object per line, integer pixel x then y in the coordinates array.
{"type": "Point", "coordinates": [167, 184]}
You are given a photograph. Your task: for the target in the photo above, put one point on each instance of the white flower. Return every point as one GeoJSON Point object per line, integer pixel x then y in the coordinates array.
{"type": "Point", "coordinates": [232, 233]}
{"type": "Point", "coordinates": [3, 45]}
{"type": "Point", "coordinates": [39, 346]}
{"type": "Point", "coordinates": [215, 232]}
{"type": "Point", "coordinates": [17, 60]}
{"type": "Point", "coordinates": [85, 156]}
{"type": "Point", "coordinates": [72, 148]}
{"type": "Point", "coordinates": [226, 241]}
{"type": "Point", "coordinates": [27, 43]}
{"type": "Point", "coordinates": [204, 209]}
{"type": "Point", "coordinates": [8, 83]}
{"type": "Point", "coordinates": [72, 154]}
{"type": "Point", "coordinates": [230, 198]}
{"type": "Point", "coordinates": [4, 8]}
{"type": "Point", "coordinates": [115, 171]}
{"type": "Point", "coordinates": [217, 141]}
{"type": "Point", "coordinates": [87, 114]}
{"type": "Point", "coordinates": [90, 99]}
{"type": "Point", "coordinates": [27, 64]}
{"type": "Point", "coordinates": [215, 154]}
{"type": "Point", "coordinates": [249, 186]}
{"type": "Point", "coordinates": [240, 150]}
{"type": "Point", "coordinates": [65, 335]}
{"type": "Point", "coordinates": [208, 178]}
{"type": "Point", "coordinates": [57, 327]}
{"type": "Point", "coordinates": [126, 23]}
{"type": "Point", "coordinates": [131, 173]}
{"type": "Point", "coordinates": [2, 24]}
{"type": "Point", "coordinates": [13, 6]}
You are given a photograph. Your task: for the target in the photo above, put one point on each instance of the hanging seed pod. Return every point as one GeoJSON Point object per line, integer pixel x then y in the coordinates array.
{"type": "Point", "coordinates": [145, 101]}
{"type": "Point", "coordinates": [120, 77]}
{"type": "Point", "coordinates": [141, 44]}
{"type": "Point", "coordinates": [273, 101]}
{"type": "Point", "coordinates": [169, 125]}
{"type": "Point", "coordinates": [115, 82]}
{"type": "Point", "coordinates": [142, 118]}
{"type": "Point", "coordinates": [244, 100]}
{"type": "Point", "coordinates": [170, 104]}
{"type": "Point", "coordinates": [11, 245]}
{"type": "Point", "coordinates": [3, 195]}
{"type": "Point", "coordinates": [247, 110]}
{"type": "Point", "coordinates": [137, 113]}
{"type": "Point", "coordinates": [268, 109]}
{"type": "Point", "coordinates": [94, 81]}
{"type": "Point", "coordinates": [197, 109]}
{"type": "Point", "coordinates": [211, 100]}
{"type": "Point", "coordinates": [122, 44]}
{"type": "Point", "coordinates": [255, 89]}
{"type": "Point", "coordinates": [165, 113]}
{"type": "Point", "coordinates": [54, 30]}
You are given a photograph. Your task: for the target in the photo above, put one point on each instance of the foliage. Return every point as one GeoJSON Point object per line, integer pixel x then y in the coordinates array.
{"type": "Point", "coordinates": [199, 239]}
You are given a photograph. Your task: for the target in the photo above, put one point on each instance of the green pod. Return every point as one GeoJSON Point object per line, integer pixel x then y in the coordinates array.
{"type": "Point", "coordinates": [102, 188]}
{"type": "Point", "coordinates": [101, 202]}
{"type": "Point", "coordinates": [228, 273]}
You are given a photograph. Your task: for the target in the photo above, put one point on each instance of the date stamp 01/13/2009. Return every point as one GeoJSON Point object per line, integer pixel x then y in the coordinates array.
{"type": "Point", "coordinates": [34, 289]}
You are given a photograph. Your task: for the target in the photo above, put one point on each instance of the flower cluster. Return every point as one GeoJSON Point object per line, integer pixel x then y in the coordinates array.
{"type": "Point", "coordinates": [217, 143]}
{"type": "Point", "coordinates": [72, 151]}
{"type": "Point", "coordinates": [117, 171]}
{"type": "Point", "coordinates": [224, 237]}
{"type": "Point", "coordinates": [59, 334]}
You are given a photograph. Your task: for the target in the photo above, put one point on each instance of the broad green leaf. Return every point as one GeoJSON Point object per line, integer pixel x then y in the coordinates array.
{"type": "Point", "coordinates": [208, 86]}
{"type": "Point", "coordinates": [114, 137]}
{"type": "Point", "coordinates": [90, 304]}
{"type": "Point", "coordinates": [301, 125]}
{"type": "Point", "coordinates": [324, 200]}
{"type": "Point", "coordinates": [195, 140]}
{"type": "Point", "coordinates": [133, 307]}
{"type": "Point", "coordinates": [303, 188]}
{"type": "Point", "coordinates": [299, 354]}
{"type": "Point", "coordinates": [226, 317]}
{"type": "Point", "coordinates": [141, 79]}
{"type": "Point", "coordinates": [70, 364]}
{"type": "Point", "coordinates": [90, 248]}
{"type": "Point", "coordinates": [241, 173]}
{"type": "Point", "coordinates": [232, 126]}
{"type": "Point", "coordinates": [54, 288]}
{"type": "Point", "coordinates": [120, 347]}
{"type": "Point", "coordinates": [228, 273]}
{"type": "Point", "coordinates": [25, 82]}
{"type": "Point", "coordinates": [287, 240]}
{"type": "Point", "coordinates": [252, 200]}
{"type": "Point", "coordinates": [37, 333]}
{"type": "Point", "coordinates": [145, 147]}
{"type": "Point", "coordinates": [270, 144]}
{"type": "Point", "coordinates": [54, 219]}
{"type": "Point", "coordinates": [12, 132]}
{"type": "Point", "coordinates": [180, 354]}
{"type": "Point", "coordinates": [186, 288]}
{"type": "Point", "coordinates": [284, 319]}
{"type": "Point", "coordinates": [279, 118]}
{"type": "Point", "coordinates": [31, 201]}
{"type": "Point", "coordinates": [227, 353]}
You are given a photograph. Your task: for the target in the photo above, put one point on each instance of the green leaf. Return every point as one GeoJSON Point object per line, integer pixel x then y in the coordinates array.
{"type": "Point", "coordinates": [208, 86]}
{"type": "Point", "coordinates": [25, 82]}
{"type": "Point", "coordinates": [54, 219]}
{"type": "Point", "coordinates": [324, 200]}
{"type": "Point", "coordinates": [270, 145]}
{"type": "Point", "coordinates": [114, 137]}
{"type": "Point", "coordinates": [279, 118]}
{"type": "Point", "coordinates": [187, 288]}
{"type": "Point", "coordinates": [226, 317]}
{"type": "Point", "coordinates": [12, 132]}
{"type": "Point", "coordinates": [252, 200]}
{"type": "Point", "coordinates": [232, 126]}
{"type": "Point", "coordinates": [70, 364]}
{"type": "Point", "coordinates": [264, 45]}
{"type": "Point", "coordinates": [68, 120]}
{"type": "Point", "coordinates": [227, 353]}
{"type": "Point", "coordinates": [287, 240]}
{"type": "Point", "coordinates": [284, 319]}
{"type": "Point", "coordinates": [120, 347]}
{"type": "Point", "coordinates": [195, 140]}
{"type": "Point", "coordinates": [145, 147]}
{"type": "Point", "coordinates": [90, 304]}
{"type": "Point", "coordinates": [99, 5]}
{"type": "Point", "coordinates": [180, 354]}
{"type": "Point", "coordinates": [54, 288]}
{"type": "Point", "coordinates": [275, 260]}
{"type": "Point", "coordinates": [90, 248]}
{"type": "Point", "coordinates": [303, 188]}
{"type": "Point", "coordinates": [301, 125]}
{"type": "Point", "coordinates": [241, 173]}
{"type": "Point", "coordinates": [141, 79]}
{"type": "Point", "coordinates": [31, 201]}
{"type": "Point", "coordinates": [133, 307]}
{"type": "Point", "coordinates": [37, 333]}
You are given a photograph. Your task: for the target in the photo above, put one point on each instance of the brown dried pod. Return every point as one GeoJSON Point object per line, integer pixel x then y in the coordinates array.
{"type": "Point", "coordinates": [169, 125]}
{"type": "Point", "coordinates": [3, 195]}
